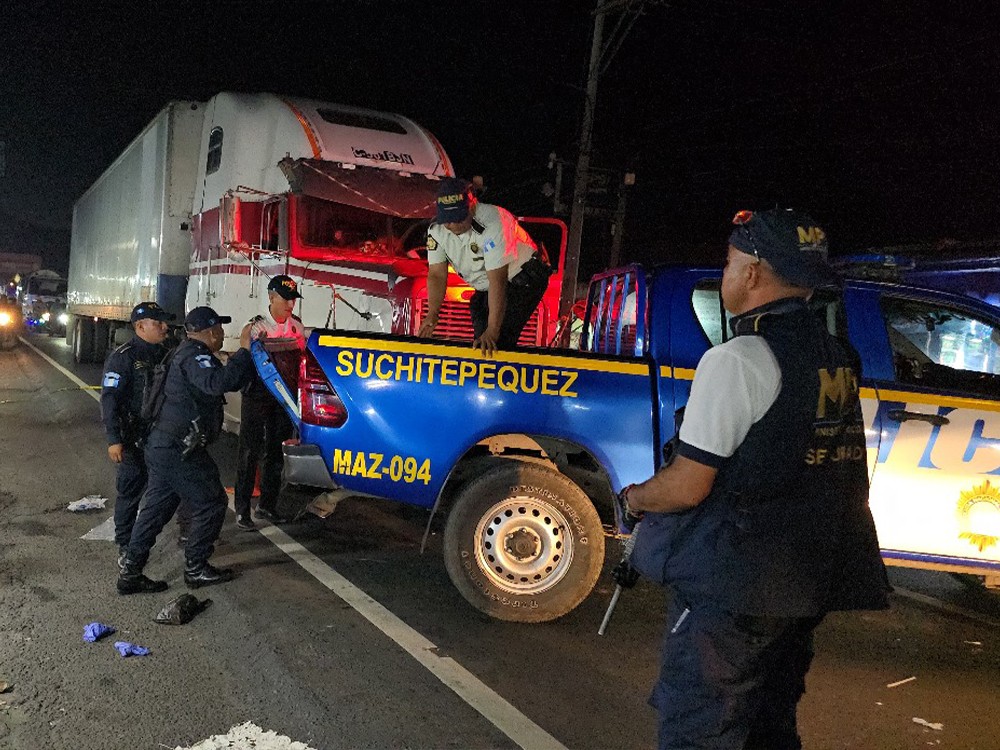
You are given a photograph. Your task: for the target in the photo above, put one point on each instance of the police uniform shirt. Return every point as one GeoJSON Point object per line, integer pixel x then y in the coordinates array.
{"type": "Point", "coordinates": [495, 240]}
{"type": "Point", "coordinates": [125, 373]}
{"type": "Point", "coordinates": [747, 372]}
{"type": "Point", "coordinates": [195, 386]}
{"type": "Point", "coordinates": [266, 326]}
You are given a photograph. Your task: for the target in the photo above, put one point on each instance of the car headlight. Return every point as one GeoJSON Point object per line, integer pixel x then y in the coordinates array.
{"type": "Point", "coordinates": [63, 318]}
{"type": "Point", "coordinates": [45, 317]}
{"type": "Point", "coordinates": [4, 319]}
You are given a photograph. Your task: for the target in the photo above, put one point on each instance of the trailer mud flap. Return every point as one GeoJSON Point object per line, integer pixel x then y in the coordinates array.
{"type": "Point", "coordinates": [266, 364]}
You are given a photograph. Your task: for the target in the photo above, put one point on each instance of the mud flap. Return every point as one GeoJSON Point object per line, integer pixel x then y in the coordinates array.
{"type": "Point", "coordinates": [269, 373]}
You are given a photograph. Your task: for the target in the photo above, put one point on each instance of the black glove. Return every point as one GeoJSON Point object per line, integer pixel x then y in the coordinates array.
{"type": "Point", "coordinates": [625, 575]}
{"type": "Point", "coordinates": [624, 517]}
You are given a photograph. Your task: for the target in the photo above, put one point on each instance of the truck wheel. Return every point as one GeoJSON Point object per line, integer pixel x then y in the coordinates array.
{"type": "Point", "coordinates": [102, 340]}
{"type": "Point", "coordinates": [83, 341]}
{"type": "Point", "coordinates": [523, 543]}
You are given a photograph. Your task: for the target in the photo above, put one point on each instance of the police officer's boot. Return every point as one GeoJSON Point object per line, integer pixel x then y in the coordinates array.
{"type": "Point", "coordinates": [132, 581]}
{"type": "Point", "coordinates": [198, 574]}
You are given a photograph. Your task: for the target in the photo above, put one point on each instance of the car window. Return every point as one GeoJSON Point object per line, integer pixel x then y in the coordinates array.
{"type": "Point", "coordinates": [714, 319]}
{"type": "Point", "coordinates": [940, 346]}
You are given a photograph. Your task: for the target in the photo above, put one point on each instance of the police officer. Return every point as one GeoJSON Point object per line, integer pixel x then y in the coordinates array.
{"type": "Point", "coordinates": [264, 425]}
{"type": "Point", "coordinates": [494, 255]}
{"type": "Point", "coordinates": [126, 372]}
{"type": "Point", "coordinates": [761, 524]}
{"type": "Point", "coordinates": [180, 468]}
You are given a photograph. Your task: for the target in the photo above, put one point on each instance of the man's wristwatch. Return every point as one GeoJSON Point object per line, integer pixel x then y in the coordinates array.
{"type": "Point", "coordinates": [627, 517]}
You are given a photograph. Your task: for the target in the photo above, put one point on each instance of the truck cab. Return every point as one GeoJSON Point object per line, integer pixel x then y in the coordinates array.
{"type": "Point", "coordinates": [40, 290]}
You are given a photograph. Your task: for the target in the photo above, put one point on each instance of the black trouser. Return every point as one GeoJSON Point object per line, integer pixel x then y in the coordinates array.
{"type": "Point", "coordinates": [174, 479]}
{"type": "Point", "coordinates": [731, 681]}
{"type": "Point", "coordinates": [524, 292]}
{"type": "Point", "coordinates": [264, 426]}
{"type": "Point", "coordinates": [130, 483]}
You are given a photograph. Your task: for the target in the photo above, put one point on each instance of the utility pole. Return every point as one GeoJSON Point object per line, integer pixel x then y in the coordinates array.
{"type": "Point", "coordinates": [580, 183]}
{"type": "Point", "coordinates": [618, 227]}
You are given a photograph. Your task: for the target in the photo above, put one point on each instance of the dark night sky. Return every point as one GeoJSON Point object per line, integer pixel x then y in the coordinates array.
{"type": "Point", "coordinates": [881, 122]}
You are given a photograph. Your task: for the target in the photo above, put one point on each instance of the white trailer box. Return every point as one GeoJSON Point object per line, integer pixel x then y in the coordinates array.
{"type": "Point", "coordinates": [131, 239]}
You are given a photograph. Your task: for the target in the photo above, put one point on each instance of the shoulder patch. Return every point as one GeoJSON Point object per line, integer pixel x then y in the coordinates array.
{"type": "Point", "coordinates": [431, 243]}
{"type": "Point", "coordinates": [110, 380]}
{"type": "Point", "coordinates": [204, 360]}
{"type": "Point", "coordinates": [490, 245]}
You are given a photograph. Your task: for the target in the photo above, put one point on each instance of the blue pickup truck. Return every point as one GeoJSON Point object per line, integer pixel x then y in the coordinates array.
{"type": "Point", "coordinates": [525, 450]}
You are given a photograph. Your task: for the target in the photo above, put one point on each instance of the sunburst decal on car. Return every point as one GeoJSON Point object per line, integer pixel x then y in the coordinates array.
{"type": "Point", "coordinates": [979, 515]}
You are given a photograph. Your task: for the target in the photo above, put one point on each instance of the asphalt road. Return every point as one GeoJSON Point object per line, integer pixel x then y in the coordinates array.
{"type": "Point", "coordinates": [294, 645]}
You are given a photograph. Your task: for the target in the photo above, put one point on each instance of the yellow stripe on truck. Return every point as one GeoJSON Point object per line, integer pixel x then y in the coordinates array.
{"type": "Point", "coordinates": [467, 352]}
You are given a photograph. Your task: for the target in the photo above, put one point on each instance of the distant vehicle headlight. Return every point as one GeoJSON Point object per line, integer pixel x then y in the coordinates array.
{"type": "Point", "coordinates": [4, 319]}
{"type": "Point", "coordinates": [45, 317]}
{"type": "Point", "coordinates": [63, 319]}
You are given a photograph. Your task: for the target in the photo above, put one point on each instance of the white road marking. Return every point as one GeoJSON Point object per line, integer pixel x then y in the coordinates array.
{"type": "Point", "coordinates": [518, 727]}
{"type": "Point", "coordinates": [103, 532]}
{"type": "Point", "coordinates": [245, 736]}
{"type": "Point", "coordinates": [488, 703]}
{"type": "Point", "coordinates": [88, 389]}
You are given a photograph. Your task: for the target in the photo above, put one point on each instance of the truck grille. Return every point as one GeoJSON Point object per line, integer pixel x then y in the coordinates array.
{"type": "Point", "coordinates": [455, 324]}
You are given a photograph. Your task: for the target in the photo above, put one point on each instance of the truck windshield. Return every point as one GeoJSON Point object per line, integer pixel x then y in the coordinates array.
{"type": "Point", "coordinates": [348, 230]}
{"type": "Point", "coordinates": [47, 287]}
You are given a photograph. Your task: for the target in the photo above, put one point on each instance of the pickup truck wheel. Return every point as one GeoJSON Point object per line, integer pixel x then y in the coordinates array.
{"type": "Point", "coordinates": [523, 543]}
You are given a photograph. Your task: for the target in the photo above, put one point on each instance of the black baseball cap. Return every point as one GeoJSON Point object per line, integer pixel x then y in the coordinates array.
{"type": "Point", "coordinates": [452, 200]}
{"type": "Point", "coordinates": [149, 310]}
{"type": "Point", "coordinates": [790, 241]}
{"type": "Point", "coordinates": [201, 318]}
{"type": "Point", "coordinates": [284, 286]}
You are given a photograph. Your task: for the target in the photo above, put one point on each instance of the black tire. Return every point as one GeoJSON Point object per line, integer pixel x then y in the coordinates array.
{"type": "Point", "coordinates": [83, 341]}
{"type": "Point", "coordinates": [102, 340]}
{"type": "Point", "coordinates": [558, 536]}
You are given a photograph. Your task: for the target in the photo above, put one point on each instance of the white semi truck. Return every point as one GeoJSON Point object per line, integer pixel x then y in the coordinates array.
{"type": "Point", "coordinates": [214, 198]}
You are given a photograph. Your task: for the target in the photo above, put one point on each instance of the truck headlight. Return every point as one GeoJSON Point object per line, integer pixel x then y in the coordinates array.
{"type": "Point", "coordinates": [4, 319]}
{"type": "Point", "coordinates": [45, 317]}
{"type": "Point", "coordinates": [63, 319]}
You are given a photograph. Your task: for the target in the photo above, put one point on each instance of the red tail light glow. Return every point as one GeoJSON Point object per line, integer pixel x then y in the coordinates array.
{"type": "Point", "coordinates": [319, 403]}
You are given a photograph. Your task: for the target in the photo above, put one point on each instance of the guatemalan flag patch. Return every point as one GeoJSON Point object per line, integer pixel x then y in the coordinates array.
{"type": "Point", "coordinates": [111, 380]}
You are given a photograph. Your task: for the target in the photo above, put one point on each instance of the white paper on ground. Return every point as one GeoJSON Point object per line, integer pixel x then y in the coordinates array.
{"type": "Point", "coordinates": [90, 502]}
{"type": "Point", "coordinates": [248, 735]}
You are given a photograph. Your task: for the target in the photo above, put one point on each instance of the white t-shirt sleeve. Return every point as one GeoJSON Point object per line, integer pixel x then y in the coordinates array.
{"type": "Point", "coordinates": [734, 386]}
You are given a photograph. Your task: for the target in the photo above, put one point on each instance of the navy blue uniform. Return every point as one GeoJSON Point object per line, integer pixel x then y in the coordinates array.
{"type": "Point", "coordinates": [193, 390]}
{"type": "Point", "coordinates": [784, 536]}
{"type": "Point", "coordinates": [126, 371]}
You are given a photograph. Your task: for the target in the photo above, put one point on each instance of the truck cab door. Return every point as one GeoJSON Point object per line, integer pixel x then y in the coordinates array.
{"type": "Point", "coordinates": [935, 495]}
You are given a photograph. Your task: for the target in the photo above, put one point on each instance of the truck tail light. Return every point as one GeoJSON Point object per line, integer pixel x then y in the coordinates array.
{"type": "Point", "coordinates": [319, 403]}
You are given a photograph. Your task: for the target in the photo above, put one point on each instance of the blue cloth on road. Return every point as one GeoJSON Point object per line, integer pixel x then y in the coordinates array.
{"type": "Point", "coordinates": [95, 631]}
{"type": "Point", "coordinates": [130, 649]}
